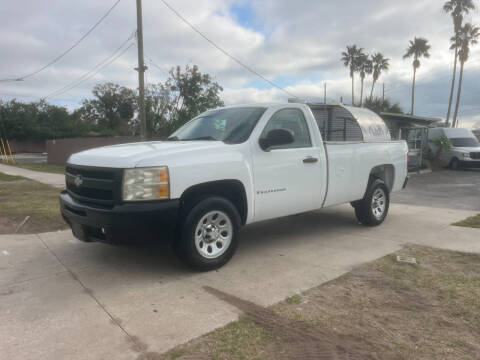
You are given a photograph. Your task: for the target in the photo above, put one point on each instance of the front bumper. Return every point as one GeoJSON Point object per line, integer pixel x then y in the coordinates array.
{"type": "Point", "coordinates": [469, 163]}
{"type": "Point", "coordinates": [121, 223]}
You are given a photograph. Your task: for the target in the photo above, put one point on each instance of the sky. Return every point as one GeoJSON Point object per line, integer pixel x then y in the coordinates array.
{"type": "Point", "coordinates": [296, 44]}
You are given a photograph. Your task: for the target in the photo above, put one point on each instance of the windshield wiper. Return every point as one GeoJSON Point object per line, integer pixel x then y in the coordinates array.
{"type": "Point", "coordinates": [172, 138]}
{"type": "Point", "coordinates": [201, 138]}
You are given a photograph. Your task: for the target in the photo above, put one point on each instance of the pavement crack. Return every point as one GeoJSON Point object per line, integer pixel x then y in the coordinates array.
{"type": "Point", "coordinates": [90, 293]}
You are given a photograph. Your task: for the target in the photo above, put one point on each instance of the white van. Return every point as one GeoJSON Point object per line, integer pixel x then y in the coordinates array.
{"type": "Point", "coordinates": [465, 150]}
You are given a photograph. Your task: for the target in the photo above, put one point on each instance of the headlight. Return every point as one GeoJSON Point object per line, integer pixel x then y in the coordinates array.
{"type": "Point", "coordinates": [145, 184]}
{"type": "Point", "coordinates": [466, 155]}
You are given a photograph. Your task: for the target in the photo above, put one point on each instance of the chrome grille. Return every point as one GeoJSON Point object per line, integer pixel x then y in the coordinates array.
{"type": "Point", "coordinates": [93, 185]}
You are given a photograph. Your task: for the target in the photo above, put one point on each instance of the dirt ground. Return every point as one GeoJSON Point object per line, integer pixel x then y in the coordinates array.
{"type": "Point", "coordinates": [20, 198]}
{"type": "Point", "coordinates": [381, 310]}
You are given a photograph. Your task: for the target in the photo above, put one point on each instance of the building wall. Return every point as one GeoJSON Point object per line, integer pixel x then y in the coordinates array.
{"type": "Point", "coordinates": [59, 150]}
{"type": "Point", "coordinates": [27, 146]}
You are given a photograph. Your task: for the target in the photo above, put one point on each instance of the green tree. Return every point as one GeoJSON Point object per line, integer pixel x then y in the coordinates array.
{"type": "Point", "coordinates": [469, 35]}
{"type": "Point", "coordinates": [158, 101]}
{"type": "Point", "coordinates": [112, 109]}
{"type": "Point", "coordinates": [418, 48]}
{"type": "Point", "coordinates": [184, 95]}
{"type": "Point", "coordinates": [365, 66]}
{"type": "Point", "coordinates": [441, 143]}
{"type": "Point", "coordinates": [37, 121]}
{"type": "Point", "coordinates": [457, 9]}
{"type": "Point", "coordinates": [380, 64]}
{"type": "Point", "coordinates": [380, 105]}
{"type": "Point", "coordinates": [350, 60]}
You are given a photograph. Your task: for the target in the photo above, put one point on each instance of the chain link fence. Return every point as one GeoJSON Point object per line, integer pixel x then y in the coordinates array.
{"type": "Point", "coordinates": [417, 140]}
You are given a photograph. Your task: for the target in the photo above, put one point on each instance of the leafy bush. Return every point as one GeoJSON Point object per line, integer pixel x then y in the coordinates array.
{"type": "Point", "coordinates": [441, 143]}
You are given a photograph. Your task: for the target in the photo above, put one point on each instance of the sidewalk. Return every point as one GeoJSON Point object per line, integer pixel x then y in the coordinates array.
{"type": "Point", "coordinates": [55, 180]}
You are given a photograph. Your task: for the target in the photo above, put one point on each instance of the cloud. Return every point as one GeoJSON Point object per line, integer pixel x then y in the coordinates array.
{"type": "Point", "coordinates": [295, 43]}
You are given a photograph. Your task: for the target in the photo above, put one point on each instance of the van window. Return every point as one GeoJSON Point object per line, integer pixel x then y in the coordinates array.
{"type": "Point", "coordinates": [464, 142]}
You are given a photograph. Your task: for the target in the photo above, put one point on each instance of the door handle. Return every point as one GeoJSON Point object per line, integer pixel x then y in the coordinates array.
{"type": "Point", "coordinates": [309, 160]}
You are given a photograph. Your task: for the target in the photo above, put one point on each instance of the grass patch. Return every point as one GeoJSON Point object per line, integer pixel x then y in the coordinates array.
{"type": "Point", "coordinates": [20, 197]}
{"type": "Point", "coordinates": [295, 299]}
{"type": "Point", "coordinates": [7, 178]}
{"type": "Point", "coordinates": [383, 309]}
{"type": "Point", "coordinates": [241, 339]}
{"type": "Point", "coordinates": [44, 167]}
{"type": "Point", "coordinates": [472, 221]}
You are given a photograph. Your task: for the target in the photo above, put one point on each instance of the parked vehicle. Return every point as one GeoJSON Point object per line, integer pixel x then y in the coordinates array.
{"type": "Point", "coordinates": [230, 167]}
{"type": "Point", "coordinates": [465, 149]}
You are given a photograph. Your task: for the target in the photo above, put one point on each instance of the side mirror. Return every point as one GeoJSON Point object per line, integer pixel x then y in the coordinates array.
{"type": "Point", "coordinates": [276, 137]}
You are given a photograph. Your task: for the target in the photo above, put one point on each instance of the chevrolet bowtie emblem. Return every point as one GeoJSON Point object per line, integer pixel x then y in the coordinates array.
{"type": "Point", "coordinates": [78, 181]}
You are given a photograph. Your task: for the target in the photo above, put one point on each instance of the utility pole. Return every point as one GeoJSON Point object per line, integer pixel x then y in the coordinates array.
{"type": "Point", "coordinates": [383, 93]}
{"type": "Point", "coordinates": [325, 93]}
{"type": "Point", "coordinates": [141, 70]}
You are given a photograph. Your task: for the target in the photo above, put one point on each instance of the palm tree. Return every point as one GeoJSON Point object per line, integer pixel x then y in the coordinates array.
{"type": "Point", "coordinates": [380, 64]}
{"type": "Point", "coordinates": [350, 60]}
{"type": "Point", "coordinates": [418, 48]}
{"type": "Point", "coordinates": [457, 8]}
{"type": "Point", "coordinates": [469, 35]}
{"type": "Point", "coordinates": [380, 105]}
{"type": "Point", "coordinates": [365, 67]}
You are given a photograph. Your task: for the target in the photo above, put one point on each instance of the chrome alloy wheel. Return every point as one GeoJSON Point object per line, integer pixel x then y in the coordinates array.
{"type": "Point", "coordinates": [213, 234]}
{"type": "Point", "coordinates": [378, 203]}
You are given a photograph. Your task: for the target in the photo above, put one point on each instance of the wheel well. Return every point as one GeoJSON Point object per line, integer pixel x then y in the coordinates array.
{"type": "Point", "coordinates": [232, 190]}
{"type": "Point", "coordinates": [386, 173]}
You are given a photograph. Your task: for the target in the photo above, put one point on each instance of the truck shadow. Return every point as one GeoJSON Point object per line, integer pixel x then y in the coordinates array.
{"type": "Point", "coordinates": [159, 257]}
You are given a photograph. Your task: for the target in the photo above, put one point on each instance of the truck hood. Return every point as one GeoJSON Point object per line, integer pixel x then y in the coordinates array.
{"type": "Point", "coordinates": [130, 155]}
{"type": "Point", "coordinates": [466, 149]}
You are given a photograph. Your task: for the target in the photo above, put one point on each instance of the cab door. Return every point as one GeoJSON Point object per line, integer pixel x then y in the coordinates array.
{"type": "Point", "coordinates": [287, 178]}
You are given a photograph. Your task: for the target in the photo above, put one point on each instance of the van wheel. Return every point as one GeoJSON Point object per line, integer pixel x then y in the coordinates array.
{"type": "Point", "coordinates": [209, 234]}
{"type": "Point", "coordinates": [373, 208]}
{"type": "Point", "coordinates": [454, 164]}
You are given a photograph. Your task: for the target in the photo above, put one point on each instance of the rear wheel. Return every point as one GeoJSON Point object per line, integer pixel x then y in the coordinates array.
{"type": "Point", "coordinates": [373, 208]}
{"type": "Point", "coordinates": [209, 234]}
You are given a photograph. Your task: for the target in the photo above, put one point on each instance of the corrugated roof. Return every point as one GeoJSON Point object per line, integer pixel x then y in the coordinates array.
{"type": "Point", "coordinates": [411, 117]}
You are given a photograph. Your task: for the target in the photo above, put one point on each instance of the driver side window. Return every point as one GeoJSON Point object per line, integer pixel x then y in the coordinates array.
{"type": "Point", "coordinates": [293, 121]}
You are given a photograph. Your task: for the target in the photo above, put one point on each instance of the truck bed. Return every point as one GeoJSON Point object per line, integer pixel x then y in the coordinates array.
{"type": "Point", "coordinates": [350, 163]}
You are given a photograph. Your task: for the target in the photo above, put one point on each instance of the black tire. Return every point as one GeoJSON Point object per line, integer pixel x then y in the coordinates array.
{"type": "Point", "coordinates": [366, 209]}
{"type": "Point", "coordinates": [454, 164]}
{"type": "Point", "coordinates": [186, 246]}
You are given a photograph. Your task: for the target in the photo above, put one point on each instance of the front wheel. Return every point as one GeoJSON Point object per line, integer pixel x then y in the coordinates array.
{"type": "Point", "coordinates": [373, 208]}
{"type": "Point", "coordinates": [209, 234]}
{"type": "Point", "coordinates": [454, 164]}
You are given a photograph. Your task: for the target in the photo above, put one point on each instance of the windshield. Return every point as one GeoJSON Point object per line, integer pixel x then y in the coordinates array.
{"type": "Point", "coordinates": [232, 126]}
{"type": "Point", "coordinates": [464, 142]}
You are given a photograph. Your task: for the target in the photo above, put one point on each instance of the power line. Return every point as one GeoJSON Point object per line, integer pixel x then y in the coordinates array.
{"type": "Point", "coordinates": [95, 73]}
{"type": "Point", "coordinates": [155, 65]}
{"type": "Point", "coordinates": [223, 51]}
{"type": "Point", "coordinates": [95, 70]}
{"type": "Point", "coordinates": [66, 51]}
{"type": "Point", "coordinates": [18, 95]}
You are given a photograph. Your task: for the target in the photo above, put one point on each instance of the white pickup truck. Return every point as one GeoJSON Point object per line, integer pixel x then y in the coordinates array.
{"type": "Point", "coordinates": [230, 167]}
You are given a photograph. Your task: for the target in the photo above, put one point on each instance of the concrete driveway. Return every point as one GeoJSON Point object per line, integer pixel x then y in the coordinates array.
{"type": "Point", "coordinates": [63, 299]}
{"type": "Point", "coordinates": [445, 188]}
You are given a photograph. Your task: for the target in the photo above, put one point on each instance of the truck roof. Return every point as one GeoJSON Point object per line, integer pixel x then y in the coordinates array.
{"type": "Point", "coordinates": [372, 125]}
